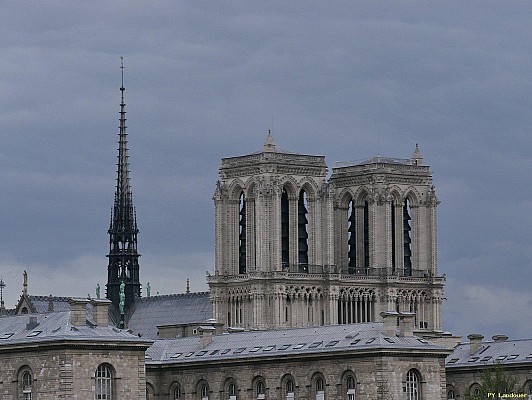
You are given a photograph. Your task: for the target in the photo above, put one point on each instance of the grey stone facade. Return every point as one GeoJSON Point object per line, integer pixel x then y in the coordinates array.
{"type": "Point", "coordinates": [295, 249]}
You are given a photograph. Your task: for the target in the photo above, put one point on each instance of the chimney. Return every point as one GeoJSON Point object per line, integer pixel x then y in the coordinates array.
{"type": "Point", "coordinates": [32, 324]}
{"type": "Point", "coordinates": [206, 333]}
{"type": "Point", "coordinates": [390, 322]}
{"type": "Point", "coordinates": [50, 303]}
{"type": "Point", "coordinates": [499, 338]}
{"type": "Point", "coordinates": [474, 342]}
{"type": "Point", "coordinates": [406, 323]}
{"type": "Point", "coordinates": [78, 311]}
{"type": "Point", "coordinates": [100, 311]}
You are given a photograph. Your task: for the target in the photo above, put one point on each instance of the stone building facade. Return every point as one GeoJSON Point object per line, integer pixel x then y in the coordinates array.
{"type": "Point", "coordinates": [295, 248]}
{"type": "Point", "coordinates": [468, 361]}
{"type": "Point", "coordinates": [70, 355]}
{"type": "Point", "coordinates": [335, 362]}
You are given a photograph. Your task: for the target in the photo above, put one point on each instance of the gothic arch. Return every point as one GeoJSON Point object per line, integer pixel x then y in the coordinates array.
{"type": "Point", "coordinates": [395, 194]}
{"type": "Point", "coordinates": [249, 190]}
{"type": "Point", "coordinates": [235, 189]}
{"type": "Point", "coordinates": [412, 195]}
{"type": "Point", "coordinates": [345, 196]}
{"type": "Point", "coordinates": [362, 195]}
{"type": "Point", "coordinates": [289, 184]}
{"type": "Point", "coordinates": [309, 187]}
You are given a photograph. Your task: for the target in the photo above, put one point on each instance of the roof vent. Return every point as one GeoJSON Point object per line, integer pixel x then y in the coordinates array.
{"type": "Point", "coordinates": [499, 338]}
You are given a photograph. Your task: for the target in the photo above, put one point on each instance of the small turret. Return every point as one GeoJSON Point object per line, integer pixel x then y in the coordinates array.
{"type": "Point", "coordinates": [417, 158]}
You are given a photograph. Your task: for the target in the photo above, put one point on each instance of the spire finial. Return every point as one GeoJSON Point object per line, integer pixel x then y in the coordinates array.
{"type": "Point", "coordinates": [417, 158]}
{"type": "Point", "coordinates": [188, 285]}
{"type": "Point", "coordinates": [2, 286]}
{"type": "Point", "coordinates": [269, 146]}
{"type": "Point", "coordinates": [122, 68]}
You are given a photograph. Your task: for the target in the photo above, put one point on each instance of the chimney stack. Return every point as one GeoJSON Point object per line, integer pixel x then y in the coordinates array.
{"type": "Point", "coordinates": [206, 333]}
{"type": "Point", "coordinates": [406, 323]}
{"type": "Point", "coordinates": [390, 322]}
{"type": "Point", "coordinates": [475, 341]}
{"type": "Point", "coordinates": [78, 311]}
{"type": "Point", "coordinates": [100, 311]}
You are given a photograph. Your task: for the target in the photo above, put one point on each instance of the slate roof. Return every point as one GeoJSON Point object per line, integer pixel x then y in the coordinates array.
{"type": "Point", "coordinates": [285, 342]}
{"type": "Point", "coordinates": [149, 312]}
{"type": "Point", "coordinates": [507, 352]}
{"type": "Point", "coordinates": [56, 326]}
{"type": "Point", "coordinates": [40, 303]}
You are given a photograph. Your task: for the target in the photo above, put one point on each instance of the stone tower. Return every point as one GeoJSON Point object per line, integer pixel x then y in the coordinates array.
{"type": "Point", "coordinates": [123, 258]}
{"type": "Point", "coordinates": [294, 248]}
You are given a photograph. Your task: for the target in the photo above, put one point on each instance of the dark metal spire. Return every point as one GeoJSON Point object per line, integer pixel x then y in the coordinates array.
{"type": "Point", "coordinates": [123, 257]}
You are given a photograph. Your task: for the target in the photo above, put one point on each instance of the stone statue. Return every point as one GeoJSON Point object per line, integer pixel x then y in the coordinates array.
{"type": "Point", "coordinates": [97, 290]}
{"type": "Point", "coordinates": [122, 298]}
{"type": "Point", "coordinates": [148, 289]}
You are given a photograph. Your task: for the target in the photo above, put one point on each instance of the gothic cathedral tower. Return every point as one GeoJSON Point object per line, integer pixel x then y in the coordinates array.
{"type": "Point", "coordinates": [123, 257]}
{"type": "Point", "coordinates": [294, 248]}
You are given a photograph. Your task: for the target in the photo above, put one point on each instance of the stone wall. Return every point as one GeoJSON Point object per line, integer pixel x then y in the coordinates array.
{"type": "Point", "coordinates": [68, 372]}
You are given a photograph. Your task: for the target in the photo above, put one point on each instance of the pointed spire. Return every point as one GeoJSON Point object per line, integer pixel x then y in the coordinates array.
{"type": "Point", "coordinates": [269, 145]}
{"type": "Point", "coordinates": [2, 286]}
{"type": "Point", "coordinates": [417, 158]}
{"type": "Point", "coordinates": [123, 268]}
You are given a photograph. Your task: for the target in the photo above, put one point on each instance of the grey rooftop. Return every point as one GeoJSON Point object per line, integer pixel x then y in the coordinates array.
{"type": "Point", "coordinates": [286, 342]}
{"type": "Point", "coordinates": [506, 352]}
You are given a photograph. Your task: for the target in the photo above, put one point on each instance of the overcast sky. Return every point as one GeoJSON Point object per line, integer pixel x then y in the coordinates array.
{"type": "Point", "coordinates": [207, 79]}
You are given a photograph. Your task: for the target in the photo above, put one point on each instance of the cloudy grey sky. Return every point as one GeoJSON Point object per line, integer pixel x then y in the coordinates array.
{"type": "Point", "coordinates": [207, 79]}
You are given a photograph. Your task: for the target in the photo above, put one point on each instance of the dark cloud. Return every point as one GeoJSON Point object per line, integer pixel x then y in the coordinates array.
{"type": "Point", "coordinates": [207, 79]}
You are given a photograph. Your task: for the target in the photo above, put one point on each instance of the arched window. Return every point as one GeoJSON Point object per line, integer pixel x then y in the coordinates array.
{"type": "Point", "coordinates": [302, 231]}
{"type": "Point", "coordinates": [232, 391]}
{"type": "Point", "coordinates": [177, 393]}
{"type": "Point", "coordinates": [474, 390]}
{"type": "Point", "coordinates": [320, 389]}
{"type": "Point", "coordinates": [407, 239]}
{"type": "Point", "coordinates": [24, 310]}
{"type": "Point", "coordinates": [27, 385]}
{"type": "Point", "coordinates": [260, 389]}
{"type": "Point", "coordinates": [451, 395]}
{"type": "Point", "coordinates": [528, 388]}
{"type": "Point", "coordinates": [352, 239]}
{"type": "Point", "coordinates": [285, 231]}
{"type": "Point", "coordinates": [242, 235]}
{"type": "Point", "coordinates": [104, 383]}
{"type": "Point", "coordinates": [366, 238]}
{"type": "Point", "coordinates": [204, 391]}
{"type": "Point", "coordinates": [289, 389]}
{"type": "Point", "coordinates": [350, 386]}
{"type": "Point", "coordinates": [413, 388]}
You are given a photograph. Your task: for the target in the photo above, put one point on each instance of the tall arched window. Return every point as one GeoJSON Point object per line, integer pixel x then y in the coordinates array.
{"type": "Point", "coordinates": [366, 238]}
{"type": "Point", "coordinates": [350, 386]}
{"type": "Point", "coordinates": [302, 231]}
{"type": "Point", "coordinates": [394, 239]}
{"type": "Point", "coordinates": [451, 395]}
{"type": "Point", "coordinates": [232, 391]}
{"type": "Point", "coordinates": [104, 383]}
{"type": "Point", "coordinates": [260, 389]}
{"type": "Point", "coordinates": [178, 395]}
{"type": "Point", "coordinates": [352, 239]}
{"type": "Point", "coordinates": [285, 230]}
{"type": "Point", "coordinates": [204, 391]}
{"type": "Point", "coordinates": [413, 385]}
{"type": "Point", "coordinates": [27, 385]}
{"type": "Point", "coordinates": [289, 389]}
{"type": "Point", "coordinates": [242, 235]}
{"type": "Point", "coordinates": [407, 239]}
{"type": "Point", "coordinates": [320, 389]}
